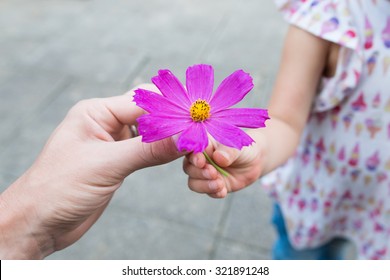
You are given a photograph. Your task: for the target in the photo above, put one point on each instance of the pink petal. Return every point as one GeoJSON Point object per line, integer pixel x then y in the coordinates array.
{"type": "Point", "coordinates": [158, 104]}
{"type": "Point", "coordinates": [227, 134]}
{"type": "Point", "coordinates": [153, 128]}
{"type": "Point", "coordinates": [232, 90]}
{"type": "Point", "coordinates": [243, 117]}
{"type": "Point", "coordinates": [194, 138]}
{"type": "Point", "coordinates": [171, 88]}
{"type": "Point", "coordinates": [200, 82]}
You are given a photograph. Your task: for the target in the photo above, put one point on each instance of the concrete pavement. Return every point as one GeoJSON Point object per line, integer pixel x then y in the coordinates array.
{"type": "Point", "coordinates": [54, 53]}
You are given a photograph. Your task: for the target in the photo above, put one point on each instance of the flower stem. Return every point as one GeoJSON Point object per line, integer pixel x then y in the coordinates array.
{"type": "Point", "coordinates": [219, 169]}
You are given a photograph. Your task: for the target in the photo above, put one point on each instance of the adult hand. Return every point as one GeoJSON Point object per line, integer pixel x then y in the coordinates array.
{"type": "Point", "coordinates": [67, 188]}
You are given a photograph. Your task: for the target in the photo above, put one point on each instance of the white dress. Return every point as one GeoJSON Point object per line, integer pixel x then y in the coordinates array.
{"type": "Point", "coordinates": [338, 182]}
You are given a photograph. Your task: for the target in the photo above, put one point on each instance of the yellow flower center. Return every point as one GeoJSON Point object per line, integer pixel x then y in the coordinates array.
{"type": "Point", "coordinates": [200, 110]}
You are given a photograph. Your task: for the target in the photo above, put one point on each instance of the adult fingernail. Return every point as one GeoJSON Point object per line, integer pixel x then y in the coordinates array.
{"type": "Point", "coordinates": [175, 138]}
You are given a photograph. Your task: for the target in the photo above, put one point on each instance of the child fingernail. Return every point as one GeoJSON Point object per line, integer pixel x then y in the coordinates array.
{"type": "Point", "coordinates": [225, 155]}
{"type": "Point", "coordinates": [206, 174]}
{"type": "Point", "coordinates": [213, 185]}
{"type": "Point", "coordinates": [195, 160]}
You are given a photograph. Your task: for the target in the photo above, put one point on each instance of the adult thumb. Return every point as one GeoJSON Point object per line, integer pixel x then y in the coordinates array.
{"type": "Point", "coordinates": [133, 154]}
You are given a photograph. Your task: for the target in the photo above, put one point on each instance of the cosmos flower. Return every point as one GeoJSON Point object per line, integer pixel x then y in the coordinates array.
{"type": "Point", "coordinates": [194, 113]}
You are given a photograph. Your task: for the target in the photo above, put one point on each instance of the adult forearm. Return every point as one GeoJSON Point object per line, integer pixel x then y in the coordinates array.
{"type": "Point", "coordinates": [19, 237]}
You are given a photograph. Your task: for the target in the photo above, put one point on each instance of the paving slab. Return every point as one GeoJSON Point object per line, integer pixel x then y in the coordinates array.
{"type": "Point", "coordinates": [54, 53]}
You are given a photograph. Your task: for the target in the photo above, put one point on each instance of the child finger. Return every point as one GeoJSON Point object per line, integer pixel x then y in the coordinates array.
{"type": "Point", "coordinates": [222, 194]}
{"type": "Point", "coordinates": [206, 186]}
{"type": "Point", "coordinates": [197, 159]}
{"type": "Point", "coordinates": [208, 172]}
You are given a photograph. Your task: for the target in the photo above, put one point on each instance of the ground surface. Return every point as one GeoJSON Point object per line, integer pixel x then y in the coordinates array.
{"type": "Point", "coordinates": [54, 53]}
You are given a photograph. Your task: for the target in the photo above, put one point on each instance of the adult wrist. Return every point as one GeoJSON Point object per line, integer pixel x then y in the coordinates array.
{"type": "Point", "coordinates": [20, 234]}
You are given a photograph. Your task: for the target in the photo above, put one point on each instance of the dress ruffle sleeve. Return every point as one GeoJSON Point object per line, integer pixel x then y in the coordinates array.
{"type": "Point", "coordinates": [335, 89]}
{"type": "Point", "coordinates": [330, 20]}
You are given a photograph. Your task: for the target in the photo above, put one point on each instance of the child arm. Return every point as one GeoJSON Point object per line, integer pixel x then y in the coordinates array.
{"type": "Point", "coordinates": [303, 61]}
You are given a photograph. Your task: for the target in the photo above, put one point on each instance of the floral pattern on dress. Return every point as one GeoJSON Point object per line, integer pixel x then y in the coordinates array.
{"type": "Point", "coordinates": [338, 182]}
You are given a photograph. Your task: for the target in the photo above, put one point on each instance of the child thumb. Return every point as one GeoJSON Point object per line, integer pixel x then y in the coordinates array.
{"type": "Point", "coordinates": [224, 156]}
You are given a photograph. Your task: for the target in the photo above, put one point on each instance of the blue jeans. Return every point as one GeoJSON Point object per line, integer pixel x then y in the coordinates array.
{"type": "Point", "coordinates": [283, 249]}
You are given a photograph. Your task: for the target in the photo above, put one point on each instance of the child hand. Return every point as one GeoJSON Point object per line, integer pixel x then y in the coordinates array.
{"type": "Point", "coordinates": [244, 167]}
